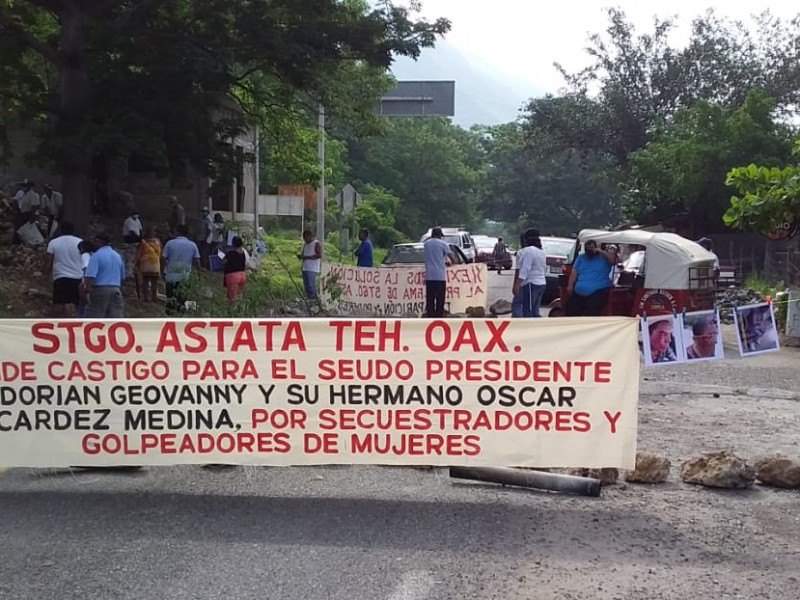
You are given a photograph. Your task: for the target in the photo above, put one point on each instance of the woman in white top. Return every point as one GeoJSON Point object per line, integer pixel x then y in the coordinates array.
{"type": "Point", "coordinates": [531, 282]}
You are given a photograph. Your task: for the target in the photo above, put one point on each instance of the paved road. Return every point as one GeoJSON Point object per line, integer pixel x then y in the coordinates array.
{"type": "Point", "coordinates": [299, 533]}
{"type": "Point", "coordinates": [500, 286]}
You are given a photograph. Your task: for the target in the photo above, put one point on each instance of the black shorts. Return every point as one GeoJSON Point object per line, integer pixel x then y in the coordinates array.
{"type": "Point", "coordinates": [66, 291]}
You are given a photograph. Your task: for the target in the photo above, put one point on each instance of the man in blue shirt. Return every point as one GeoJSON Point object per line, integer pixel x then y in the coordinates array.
{"type": "Point", "coordinates": [180, 255]}
{"type": "Point", "coordinates": [437, 253]}
{"type": "Point", "coordinates": [590, 281]}
{"type": "Point", "coordinates": [103, 286]}
{"type": "Point", "coordinates": [364, 251]}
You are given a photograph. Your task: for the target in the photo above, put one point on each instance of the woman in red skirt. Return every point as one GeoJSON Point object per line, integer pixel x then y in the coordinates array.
{"type": "Point", "coordinates": [235, 263]}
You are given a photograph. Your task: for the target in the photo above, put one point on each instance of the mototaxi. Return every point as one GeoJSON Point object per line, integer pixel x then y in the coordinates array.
{"type": "Point", "coordinates": [676, 274]}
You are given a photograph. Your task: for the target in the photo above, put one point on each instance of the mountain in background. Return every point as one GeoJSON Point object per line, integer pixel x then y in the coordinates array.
{"type": "Point", "coordinates": [481, 97]}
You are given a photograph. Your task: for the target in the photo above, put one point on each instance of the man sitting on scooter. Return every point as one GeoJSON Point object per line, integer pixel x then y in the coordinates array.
{"type": "Point", "coordinates": [590, 281]}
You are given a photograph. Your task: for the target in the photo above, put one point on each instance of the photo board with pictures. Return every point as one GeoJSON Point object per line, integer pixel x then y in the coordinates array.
{"type": "Point", "coordinates": [702, 336]}
{"type": "Point", "coordinates": [662, 341]}
{"type": "Point", "coordinates": [756, 330]}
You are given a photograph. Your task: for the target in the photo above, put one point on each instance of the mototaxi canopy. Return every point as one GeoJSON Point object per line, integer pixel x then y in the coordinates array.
{"type": "Point", "coordinates": [668, 256]}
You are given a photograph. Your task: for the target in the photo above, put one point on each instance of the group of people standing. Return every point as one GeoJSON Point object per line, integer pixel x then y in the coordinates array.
{"type": "Point", "coordinates": [31, 209]}
{"type": "Point", "coordinates": [88, 275]}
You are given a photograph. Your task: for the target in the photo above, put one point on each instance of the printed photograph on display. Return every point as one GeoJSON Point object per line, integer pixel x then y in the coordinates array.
{"type": "Point", "coordinates": [755, 329]}
{"type": "Point", "coordinates": [702, 336]}
{"type": "Point", "coordinates": [662, 342]}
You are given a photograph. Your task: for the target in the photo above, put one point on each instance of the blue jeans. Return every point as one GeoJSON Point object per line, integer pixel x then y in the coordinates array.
{"type": "Point", "coordinates": [516, 306]}
{"type": "Point", "coordinates": [531, 299]}
{"type": "Point", "coordinates": [310, 284]}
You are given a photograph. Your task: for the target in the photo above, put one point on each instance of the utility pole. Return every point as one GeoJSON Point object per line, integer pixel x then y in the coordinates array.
{"type": "Point", "coordinates": [321, 190]}
{"type": "Point", "coordinates": [256, 166]}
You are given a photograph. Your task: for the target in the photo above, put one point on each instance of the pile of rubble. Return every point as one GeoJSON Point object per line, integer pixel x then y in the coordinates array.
{"type": "Point", "coordinates": [735, 296]}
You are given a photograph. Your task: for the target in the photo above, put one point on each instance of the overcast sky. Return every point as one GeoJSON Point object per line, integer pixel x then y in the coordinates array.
{"type": "Point", "coordinates": [520, 39]}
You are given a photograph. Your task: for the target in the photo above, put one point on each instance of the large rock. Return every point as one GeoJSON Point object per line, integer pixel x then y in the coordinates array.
{"type": "Point", "coordinates": [778, 471]}
{"type": "Point", "coordinates": [606, 476]}
{"type": "Point", "coordinates": [718, 470]}
{"type": "Point", "coordinates": [476, 312]}
{"type": "Point", "coordinates": [650, 468]}
{"type": "Point", "coordinates": [501, 307]}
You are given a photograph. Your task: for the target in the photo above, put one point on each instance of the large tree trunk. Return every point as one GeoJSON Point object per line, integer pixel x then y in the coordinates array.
{"type": "Point", "coordinates": [75, 92]}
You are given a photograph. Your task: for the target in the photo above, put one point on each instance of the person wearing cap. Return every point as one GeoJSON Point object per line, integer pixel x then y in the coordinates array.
{"type": "Point", "coordinates": [590, 281]}
{"type": "Point", "coordinates": [105, 274]}
{"type": "Point", "coordinates": [709, 245]}
{"type": "Point", "coordinates": [132, 228]}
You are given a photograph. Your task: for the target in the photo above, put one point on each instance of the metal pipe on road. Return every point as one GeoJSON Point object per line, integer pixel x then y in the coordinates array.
{"type": "Point", "coordinates": [552, 482]}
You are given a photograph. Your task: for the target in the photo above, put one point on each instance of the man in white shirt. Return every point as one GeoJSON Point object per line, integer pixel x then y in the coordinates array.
{"type": "Point", "coordinates": [132, 228]}
{"type": "Point", "coordinates": [530, 283]}
{"type": "Point", "coordinates": [66, 265]}
{"type": "Point", "coordinates": [27, 204]}
{"type": "Point", "coordinates": [52, 206]}
{"type": "Point", "coordinates": [311, 256]}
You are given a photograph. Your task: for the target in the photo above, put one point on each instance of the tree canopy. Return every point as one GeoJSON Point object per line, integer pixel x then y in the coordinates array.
{"type": "Point", "coordinates": [113, 77]}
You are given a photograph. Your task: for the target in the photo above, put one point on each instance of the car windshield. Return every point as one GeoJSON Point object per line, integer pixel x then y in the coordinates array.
{"type": "Point", "coordinates": [453, 239]}
{"type": "Point", "coordinates": [558, 247]}
{"type": "Point", "coordinates": [405, 255]}
{"type": "Point", "coordinates": [485, 242]}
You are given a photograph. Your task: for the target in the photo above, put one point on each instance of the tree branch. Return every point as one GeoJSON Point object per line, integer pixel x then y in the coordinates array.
{"type": "Point", "coordinates": [26, 39]}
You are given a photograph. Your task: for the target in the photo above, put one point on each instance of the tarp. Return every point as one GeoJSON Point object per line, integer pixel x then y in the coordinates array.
{"type": "Point", "coordinates": [668, 256]}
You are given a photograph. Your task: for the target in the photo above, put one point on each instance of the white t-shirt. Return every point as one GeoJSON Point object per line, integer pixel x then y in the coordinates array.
{"type": "Point", "coordinates": [313, 265]}
{"type": "Point", "coordinates": [532, 264]}
{"type": "Point", "coordinates": [66, 257]}
{"type": "Point", "coordinates": [132, 225]}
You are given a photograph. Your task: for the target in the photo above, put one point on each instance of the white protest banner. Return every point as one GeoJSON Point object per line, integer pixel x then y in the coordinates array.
{"type": "Point", "coordinates": [398, 291]}
{"type": "Point", "coordinates": [493, 392]}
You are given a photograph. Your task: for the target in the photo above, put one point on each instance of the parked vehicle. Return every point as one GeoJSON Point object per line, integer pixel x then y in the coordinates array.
{"type": "Point", "coordinates": [459, 237]}
{"type": "Point", "coordinates": [673, 274]}
{"type": "Point", "coordinates": [484, 248]}
{"type": "Point", "coordinates": [558, 250]}
{"type": "Point", "coordinates": [413, 254]}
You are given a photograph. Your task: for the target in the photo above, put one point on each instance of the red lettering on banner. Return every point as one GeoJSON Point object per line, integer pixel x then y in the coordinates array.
{"type": "Point", "coordinates": [94, 337]}
{"type": "Point", "coordinates": [349, 369]}
{"type": "Point", "coordinates": [466, 337]}
{"type": "Point", "coordinates": [414, 444]}
{"type": "Point", "coordinates": [220, 371]}
{"type": "Point", "coordinates": [113, 444]}
{"type": "Point", "coordinates": [493, 370]}
{"type": "Point", "coordinates": [196, 337]}
{"type": "Point", "coordinates": [23, 371]}
{"type": "Point", "coordinates": [112, 370]}
{"type": "Point", "coordinates": [612, 419]}
{"type": "Point", "coordinates": [278, 419]}
{"type": "Point", "coordinates": [368, 336]}
{"type": "Point", "coordinates": [284, 369]}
